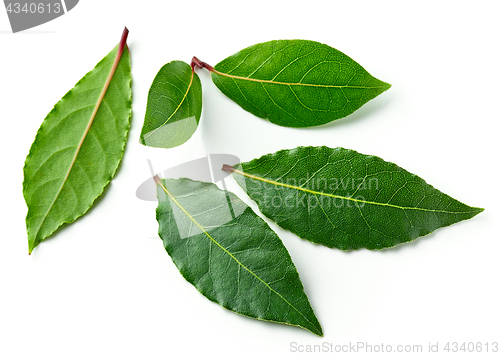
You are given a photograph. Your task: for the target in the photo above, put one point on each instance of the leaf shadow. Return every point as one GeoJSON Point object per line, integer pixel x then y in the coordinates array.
{"type": "Point", "coordinates": [372, 108]}
{"type": "Point", "coordinates": [394, 249]}
{"type": "Point", "coordinates": [410, 244]}
{"type": "Point", "coordinates": [271, 326]}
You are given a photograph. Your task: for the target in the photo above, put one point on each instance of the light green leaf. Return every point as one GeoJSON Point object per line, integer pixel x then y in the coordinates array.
{"type": "Point", "coordinates": [230, 254]}
{"type": "Point", "coordinates": [78, 147]}
{"type": "Point", "coordinates": [341, 198]}
{"type": "Point", "coordinates": [174, 106]}
{"type": "Point", "coordinates": [295, 83]}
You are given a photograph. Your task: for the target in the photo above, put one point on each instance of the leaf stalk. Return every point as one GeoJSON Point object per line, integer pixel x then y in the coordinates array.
{"type": "Point", "coordinates": [195, 62]}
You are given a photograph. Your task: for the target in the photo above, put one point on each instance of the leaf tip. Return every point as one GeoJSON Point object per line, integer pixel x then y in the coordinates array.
{"type": "Point", "coordinates": [31, 246]}
{"type": "Point", "coordinates": [386, 86]}
{"type": "Point", "coordinates": [319, 330]}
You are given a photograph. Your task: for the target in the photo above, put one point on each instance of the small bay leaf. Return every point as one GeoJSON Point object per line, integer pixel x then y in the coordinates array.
{"type": "Point", "coordinates": [230, 254]}
{"type": "Point", "coordinates": [341, 198]}
{"type": "Point", "coordinates": [174, 106]}
{"type": "Point", "coordinates": [295, 83]}
{"type": "Point", "coordinates": [79, 146]}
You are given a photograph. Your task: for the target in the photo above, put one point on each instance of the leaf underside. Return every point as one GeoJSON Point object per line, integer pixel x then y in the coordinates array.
{"type": "Point", "coordinates": [230, 254]}
{"type": "Point", "coordinates": [61, 178]}
{"type": "Point", "coordinates": [341, 198]}
{"type": "Point", "coordinates": [174, 106]}
{"type": "Point", "coordinates": [296, 83]}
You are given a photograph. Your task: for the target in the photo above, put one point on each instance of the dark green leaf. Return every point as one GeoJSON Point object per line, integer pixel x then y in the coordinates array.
{"type": "Point", "coordinates": [78, 147]}
{"type": "Point", "coordinates": [174, 106]}
{"type": "Point", "coordinates": [230, 254]}
{"type": "Point", "coordinates": [296, 83]}
{"type": "Point", "coordinates": [341, 198]}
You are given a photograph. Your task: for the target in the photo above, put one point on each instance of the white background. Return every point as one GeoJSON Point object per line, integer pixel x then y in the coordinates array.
{"type": "Point", "coordinates": [105, 286]}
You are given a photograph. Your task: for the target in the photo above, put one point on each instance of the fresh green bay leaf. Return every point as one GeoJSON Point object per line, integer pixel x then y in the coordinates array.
{"type": "Point", "coordinates": [295, 83]}
{"type": "Point", "coordinates": [174, 106]}
{"type": "Point", "coordinates": [79, 146]}
{"type": "Point", "coordinates": [230, 254]}
{"type": "Point", "coordinates": [344, 199]}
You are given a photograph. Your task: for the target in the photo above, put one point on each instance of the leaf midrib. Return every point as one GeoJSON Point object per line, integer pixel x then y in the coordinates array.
{"type": "Point", "coordinates": [269, 181]}
{"type": "Point", "coordinates": [232, 256]}
{"type": "Point", "coordinates": [296, 84]}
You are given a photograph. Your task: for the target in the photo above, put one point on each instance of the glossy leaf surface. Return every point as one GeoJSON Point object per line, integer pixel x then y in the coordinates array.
{"type": "Point", "coordinates": [174, 106]}
{"type": "Point", "coordinates": [78, 147]}
{"type": "Point", "coordinates": [344, 199]}
{"type": "Point", "coordinates": [296, 83]}
{"type": "Point", "coordinates": [230, 254]}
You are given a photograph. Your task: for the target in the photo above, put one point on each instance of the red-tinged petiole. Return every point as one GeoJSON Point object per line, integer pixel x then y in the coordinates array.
{"type": "Point", "coordinates": [123, 42]}
{"type": "Point", "coordinates": [227, 168]}
{"type": "Point", "coordinates": [195, 62]}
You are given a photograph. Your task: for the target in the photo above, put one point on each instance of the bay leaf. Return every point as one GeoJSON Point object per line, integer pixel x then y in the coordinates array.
{"type": "Point", "coordinates": [78, 147]}
{"type": "Point", "coordinates": [174, 106]}
{"type": "Point", "coordinates": [230, 254]}
{"type": "Point", "coordinates": [344, 199]}
{"type": "Point", "coordinates": [295, 83]}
